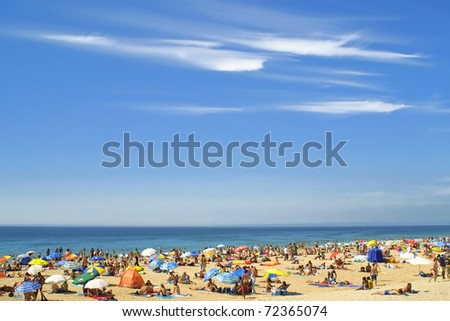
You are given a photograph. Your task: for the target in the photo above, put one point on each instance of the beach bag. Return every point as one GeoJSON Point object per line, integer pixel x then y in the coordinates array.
{"type": "Point", "coordinates": [369, 284]}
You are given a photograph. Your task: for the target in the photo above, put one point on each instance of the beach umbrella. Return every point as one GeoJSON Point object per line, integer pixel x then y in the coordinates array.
{"type": "Point", "coordinates": [23, 259]}
{"type": "Point", "coordinates": [148, 252]}
{"type": "Point", "coordinates": [35, 269]}
{"type": "Point", "coordinates": [69, 265]}
{"type": "Point", "coordinates": [84, 278]}
{"type": "Point", "coordinates": [97, 258]}
{"type": "Point", "coordinates": [136, 267]}
{"type": "Point", "coordinates": [94, 269]}
{"type": "Point", "coordinates": [27, 287]}
{"type": "Point", "coordinates": [227, 278]}
{"type": "Point", "coordinates": [5, 258]}
{"type": "Point", "coordinates": [157, 256]}
{"type": "Point", "coordinates": [360, 258]}
{"type": "Point", "coordinates": [56, 278]}
{"type": "Point", "coordinates": [241, 262]}
{"type": "Point", "coordinates": [38, 262]}
{"type": "Point", "coordinates": [155, 264]}
{"type": "Point", "coordinates": [71, 257]}
{"type": "Point", "coordinates": [220, 246]}
{"type": "Point", "coordinates": [30, 253]}
{"type": "Point", "coordinates": [47, 258]}
{"type": "Point", "coordinates": [194, 252]}
{"type": "Point", "coordinates": [419, 261]}
{"type": "Point", "coordinates": [440, 243]}
{"type": "Point", "coordinates": [372, 243]}
{"type": "Point", "coordinates": [241, 248]}
{"type": "Point", "coordinates": [271, 263]}
{"type": "Point", "coordinates": [96, 284]}
{"type": "Point", "coordinates": [60, 263]}
{"type": "Point", "coordinates": [55, 256]}
{"type": "Point", "coordinates": [211, 273]}
{"type": "Point", "coordinates": [169, 266]}
{"type": "Point", "coordinates": [334, 254]}
{"type": "Point", "coordinates": [186, 255]}
{"type": "Point", "coordinates": [240, 272]}
{"type": "Point", "coordinates": [270, 273]}
{"type": "Point", "coordinates": [209, 252]}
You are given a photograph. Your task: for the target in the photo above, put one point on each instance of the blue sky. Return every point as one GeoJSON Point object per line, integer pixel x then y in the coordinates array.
{"type": "Point", "coordinates": [76, 75]}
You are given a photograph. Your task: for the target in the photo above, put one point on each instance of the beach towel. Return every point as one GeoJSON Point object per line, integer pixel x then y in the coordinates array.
{"type": "Point", "coordinates": [181, 295]}
{"type": "Point", "coordinates": [165, 297]}
{"type": "Point", "coordinates": [321, 285]}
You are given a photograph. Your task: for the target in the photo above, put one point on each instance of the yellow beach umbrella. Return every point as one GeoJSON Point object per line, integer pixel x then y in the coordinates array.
{"type": "Point", "coordinates": [241, 262]}
{"type": "Point", "coordinates": [275, 272]}
{"type": "Point", "coordinates": [372, 243]}
{"type": "Point", "coordinates": [5, 258]}
{"type": "Point", "coordinates": [136, 267]}
{"type": "Point", "coordinates": [38, 262]}
{"type": "Point", "coordinates": [95, 269]}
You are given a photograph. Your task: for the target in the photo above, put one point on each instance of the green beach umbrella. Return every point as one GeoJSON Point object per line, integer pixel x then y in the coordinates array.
{"type": "Point", "coordinates": [84, 278]}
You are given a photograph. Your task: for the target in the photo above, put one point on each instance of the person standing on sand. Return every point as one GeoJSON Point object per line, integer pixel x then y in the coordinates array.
{"type": "Point", "coordinates": [434, 270]}
{"type": "Point", "coordinates": [374, 270]}
{"type": "Point", "coordinates": [442, 265]}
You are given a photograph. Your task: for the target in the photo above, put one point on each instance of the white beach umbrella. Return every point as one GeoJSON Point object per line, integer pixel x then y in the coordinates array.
{"type": "Point", "coordinates": [185, 255]}
{"type": "Point", "coordinates": [56, 278]}
{"type": "Point", "coordinates": [35, 269]}
{"type": "Point", "coordinates": [220, 246]}
{"type": "Point", "coordinates": [96, 284]}
{"type": "Point", "coordinates": [360, 258]}
{"type": "Point", "coordinates": [418, 260]}
{"type": "Point", "coordinates": [148, 252]}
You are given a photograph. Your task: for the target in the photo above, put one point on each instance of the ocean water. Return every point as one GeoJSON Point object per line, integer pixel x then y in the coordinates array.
{"type": "Point", "coordinates": [17, 240]}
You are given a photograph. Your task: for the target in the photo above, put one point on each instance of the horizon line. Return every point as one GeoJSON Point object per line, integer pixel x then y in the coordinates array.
{"type": "Point", "coordinates": [222, 226]}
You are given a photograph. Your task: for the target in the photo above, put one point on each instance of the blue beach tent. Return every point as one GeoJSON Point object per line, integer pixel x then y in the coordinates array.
{"type": "Point", "coordinates": [375, 255]}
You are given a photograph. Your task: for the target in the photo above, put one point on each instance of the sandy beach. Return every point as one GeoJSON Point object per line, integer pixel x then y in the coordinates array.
{"type": "Point", "coordinates": [393, 276]}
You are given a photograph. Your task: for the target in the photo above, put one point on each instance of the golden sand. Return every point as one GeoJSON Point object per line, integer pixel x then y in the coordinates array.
{"type": "Point", "coordinates": [298, 290]}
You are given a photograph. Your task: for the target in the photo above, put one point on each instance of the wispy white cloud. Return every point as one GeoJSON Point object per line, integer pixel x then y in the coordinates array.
{"type": "Point", "coordinates": [347, 107]}
{"type": "Point", "coordinates": [342, 46]}
{"type": "Point", "coordinates": [319, 80]}
{"type": "Point", "coordinates": [201, 54]}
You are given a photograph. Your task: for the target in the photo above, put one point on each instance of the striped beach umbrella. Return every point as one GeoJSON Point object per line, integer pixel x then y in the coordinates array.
{"type": "Point", "coordinates": [227, 278]}
{"type": "Point", "coordinates": [169, 266]}
{"type": "Point", "coordinates": [94, 269]}
{"type": "Point", "coordinates": [71, 257]}
{"type": "Point", "coordinates": [241, 262]}
{"type": "Point", "coordinates": [271, 263]}
{"type": "Point", "coordinates": [70, 265]}
{"type": "Point", "coordinates": [27, 287]}
{"type": "Point", "coordinates": [211, 273]}
{"type": "Point", "coordinates": [210, 251]}
{"type": "Point", "coordinates": [136, 267]}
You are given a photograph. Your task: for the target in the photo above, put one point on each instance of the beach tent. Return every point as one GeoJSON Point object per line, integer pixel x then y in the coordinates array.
{"type": "Point", "coordinates": [131, 279]}
{"type": "Point", "coordinates": [375, 255]}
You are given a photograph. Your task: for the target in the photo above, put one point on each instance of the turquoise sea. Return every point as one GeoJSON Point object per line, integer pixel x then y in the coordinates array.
{"type": "Point", "coordinates": [18, 239]}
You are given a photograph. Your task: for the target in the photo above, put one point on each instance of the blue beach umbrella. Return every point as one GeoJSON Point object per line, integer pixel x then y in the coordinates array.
{"type": "Point", "coordinates": [169, 266]}
{"type": "Point", "coordinates": [60, 263]}
{"type": "Point", "coordinates": [227, 278]}
{"type": "Point", "coordinates": [97, 258]}
{"type": "Point", "coordinates": [27, 287]}
{"type": "Point", "coordinates": [155, 264]}
{"type": "Point", "coordinates": [211, 273]}
{"type": "Point", "coordinates": [55, 256]}
{"type": "Point", "coordinates": [240, 272]}
{"type": "Point", "coordinates": [440, 243]}
{"type": "Point", "coordinates": [47, 258]}
{"type": "Point", "coordinates": [24, 259]}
